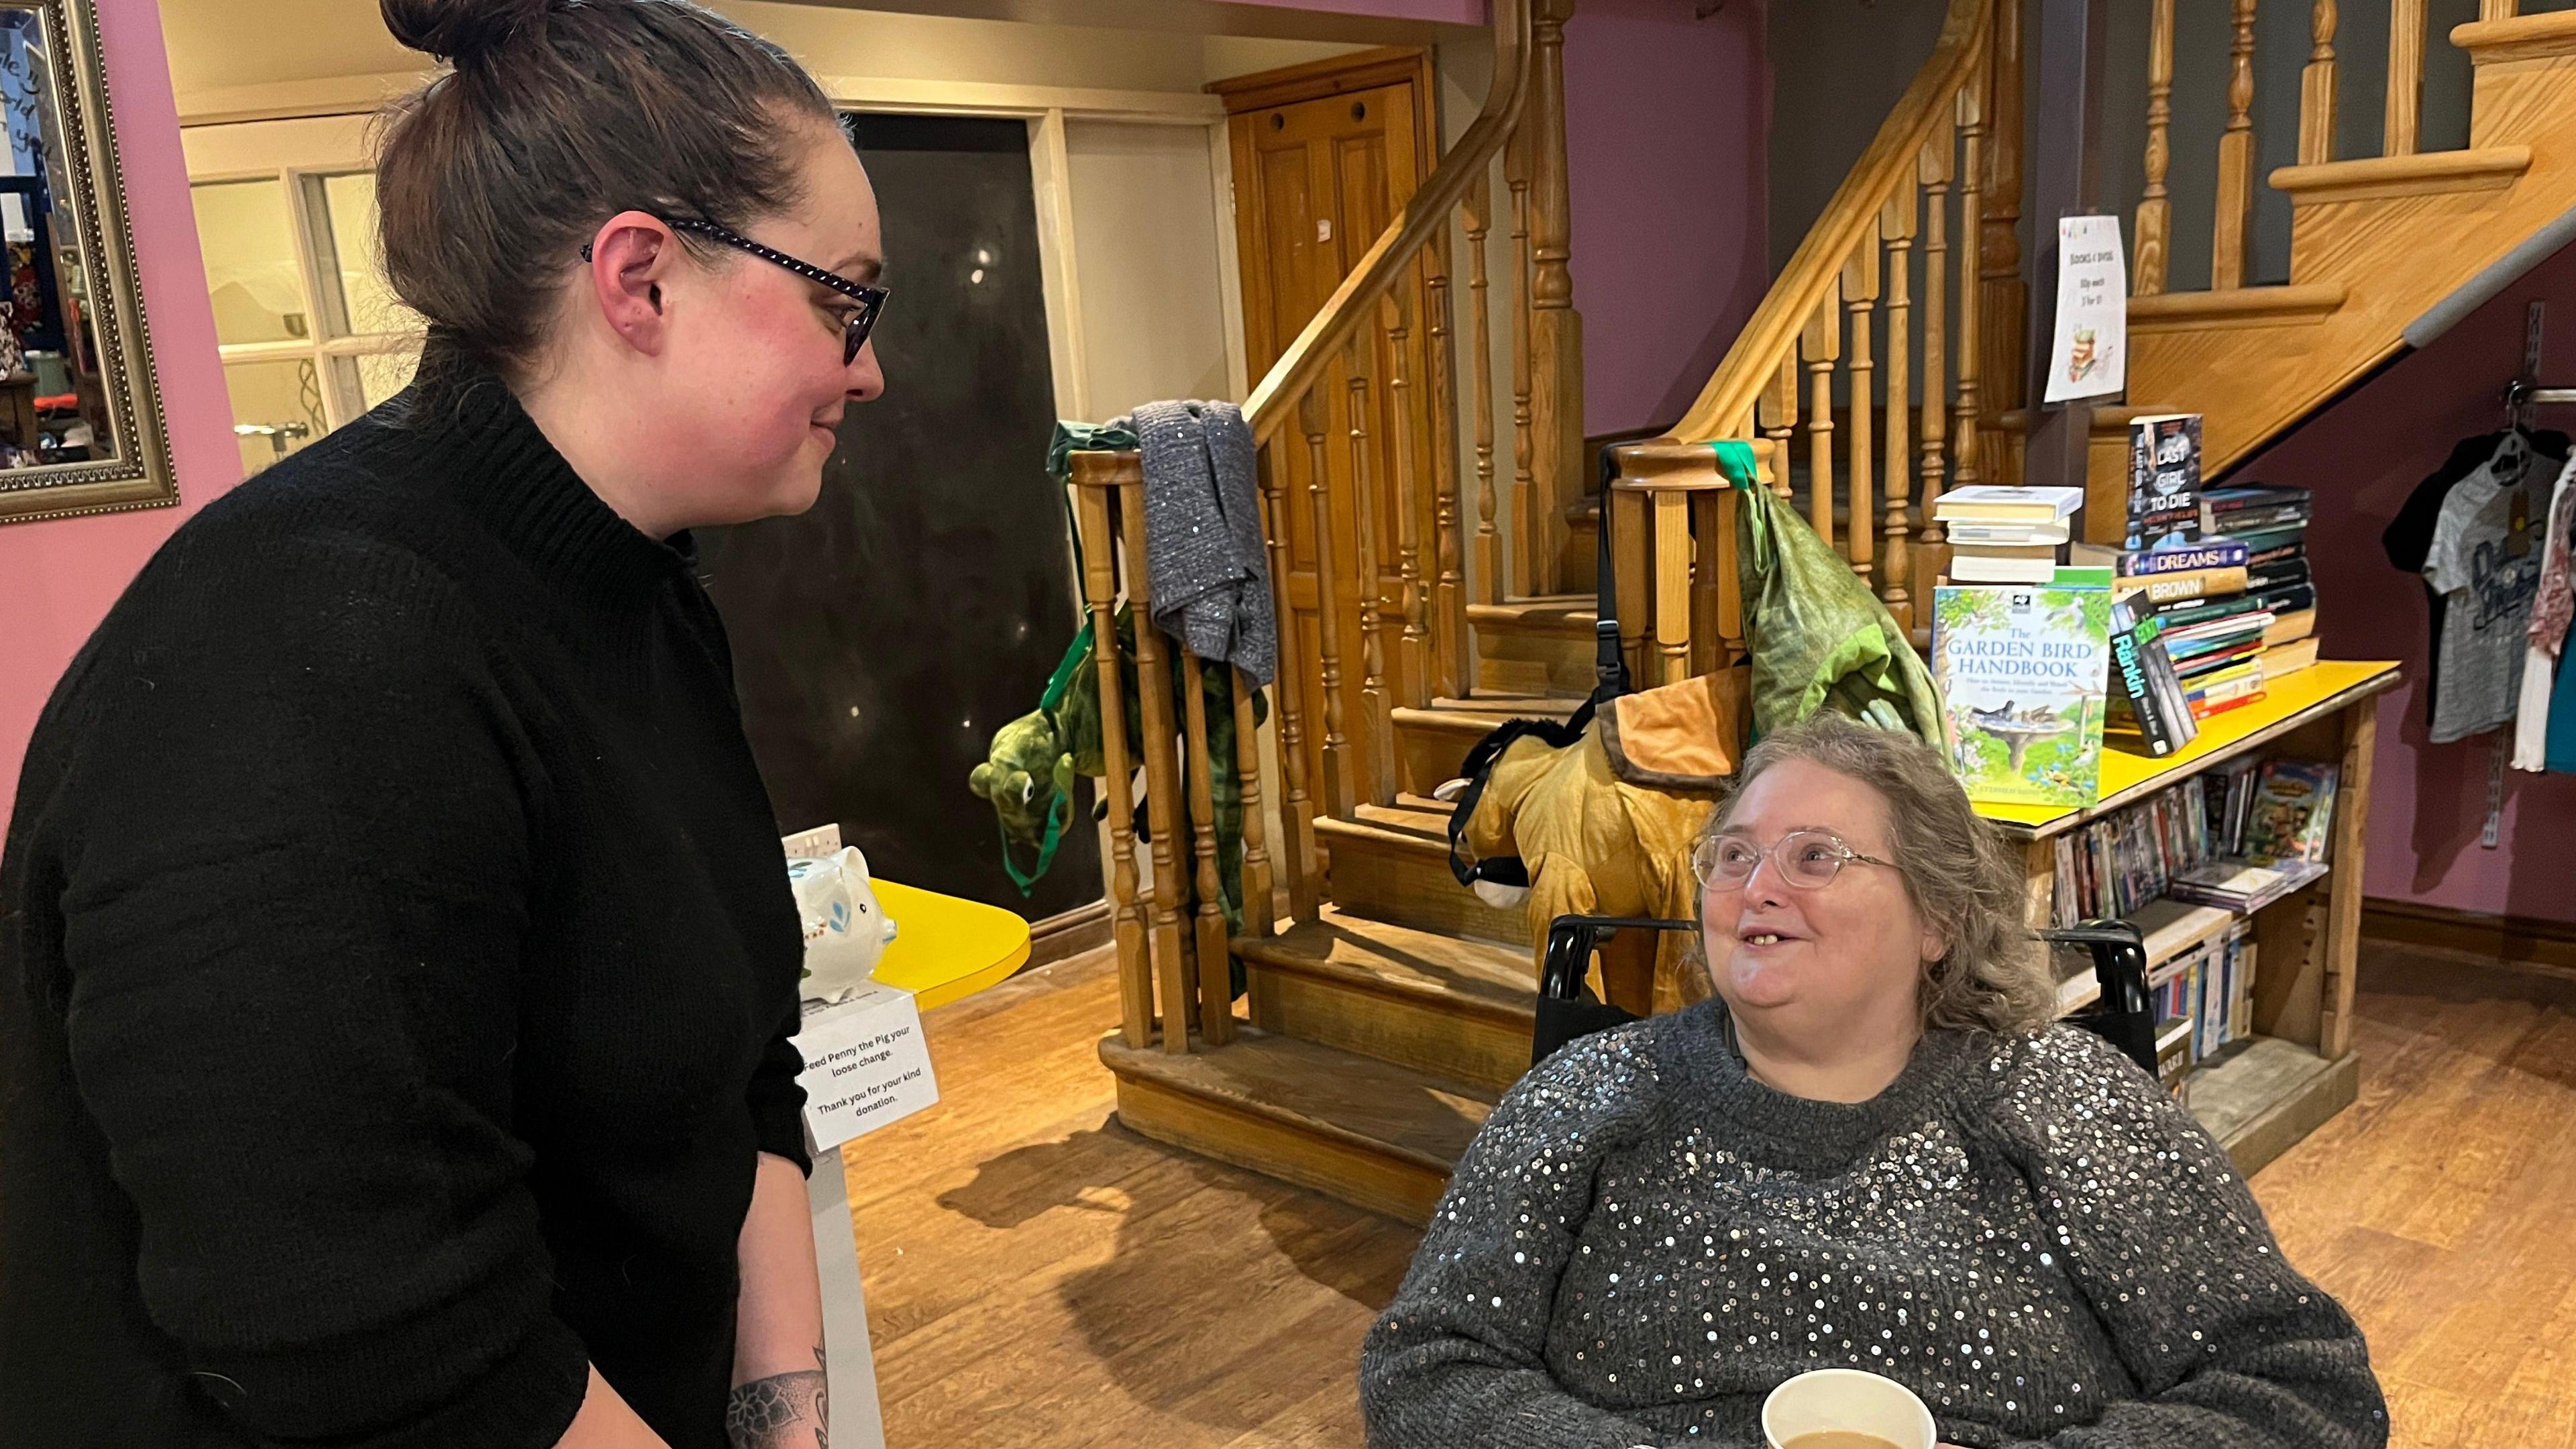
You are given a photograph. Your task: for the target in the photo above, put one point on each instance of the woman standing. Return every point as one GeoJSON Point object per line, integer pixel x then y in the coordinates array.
{"type": "Point", "coordinates": [399, 966]}
{"type": "Point", "coordinates": [1871, 1150]}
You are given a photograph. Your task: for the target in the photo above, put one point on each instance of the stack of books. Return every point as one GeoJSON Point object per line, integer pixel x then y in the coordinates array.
{"type": "Point", "coordinates": [2002, 535]}
{"type": "Point", "coordinates": [2209, 987]}
{"type": "Point", "coordinates": [2240, 884]}
{"type": "Point", "coordinates": [2211, 626]}
{"type": "Point", "coordinates": [2114, 865]}
{"type": "Point", "coordinates": [2271, 521]}
{"type": "Point", "coordinates": [2147, 710]}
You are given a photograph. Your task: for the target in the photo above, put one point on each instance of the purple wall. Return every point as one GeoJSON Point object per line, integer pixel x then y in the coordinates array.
{"type": "Point", "coordinates": [2363, 456]}
{"type": "Point", "coordinates": [1667, 136]}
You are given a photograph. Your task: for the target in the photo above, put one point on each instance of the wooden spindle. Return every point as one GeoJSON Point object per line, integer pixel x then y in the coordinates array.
{"type": "Point", "coordinates": [1632, 575]}
{"type": "Point", "coordinates": [1526, 534]}
{"type": "Point", "coordinates": [1260, 907]}
{"type": "Point", "coordinates": [1896, 223]}
{"type": "Point", "coordinates": [2155, 206]}
{"type": "Point", "coordinates": [2317, 87]}
{"type": "Point", "coordinates": [1860, 297]}
{"type": "Point", "coordinates": [1779, 413]}
{"type": "Point", "coordinates": [1377, 747]}
{"type": "Point", "coordinates": [1163, 790]}
{"type": "Point", "coordinates": [1965, 466]}
{"type": "Point", "coordinates": [1448, 545]}
{"type": "Point", "coordinates": [1413, 645]}
{"type": "Point", "coordinates": [2499, 9]}
{"type": "Point", "coordinates": [1489, 539]}
{"type": "Point", "coordinates": [2000, 292]}
{"type": "Point", "coordinates": [1711, 645]}
{"type": "Point", "coordinates": [1821, 344]}
{"type": "Point", "coordinates": [1091, 496]}
{"type": "Point", "coordinates": [1341, 783]}
{"type": "Point", "coordinates": [1672, 585]}
{"type": "Point", "coordinates": [1296, 807]}
{"type": "Point", "coordinates": [1556, 345]}
{"type": "Point", "coordinates": [2228, 235]}
{"type": "Point", "coordinates": [1208, 941]}
{"type": "Point", "coordinates": [1932, 170]}
{"type": "Point", "coordinates": [2405, 110]}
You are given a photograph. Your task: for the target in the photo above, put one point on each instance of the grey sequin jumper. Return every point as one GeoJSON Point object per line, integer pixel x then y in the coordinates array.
{"type": "Point", "coordinates": [1643, 1241]}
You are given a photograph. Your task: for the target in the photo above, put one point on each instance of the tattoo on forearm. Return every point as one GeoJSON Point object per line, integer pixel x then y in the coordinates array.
{"type": "Point", "coordinates": [772, 1413]}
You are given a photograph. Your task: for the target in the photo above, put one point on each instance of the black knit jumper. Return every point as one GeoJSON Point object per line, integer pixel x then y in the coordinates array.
{"type": "Point", "coordinates": [396, 969]}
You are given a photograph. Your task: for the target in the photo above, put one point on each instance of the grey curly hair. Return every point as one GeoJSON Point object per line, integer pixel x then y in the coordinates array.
{"type": "Point", "coordinates": [1957, 868]}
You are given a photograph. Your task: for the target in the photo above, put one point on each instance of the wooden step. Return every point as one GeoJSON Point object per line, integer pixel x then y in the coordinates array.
{"type": "Point", "coordinates": [1352, 1127]}
{"type": "Point", "coordinates": [1452, 1007]}
{"type": "Point", "coordinates": [1430, 743]}
{"type": "Point", "coordinates": [1392, 864]}
{"type": "Point", "coordinates": [1541, 645]}
{"type": "Point", "coordinates": [2428, 173]}
{"type": "Point", "coordinates": [2550, 35]}
{"type": "Point", "coordinates": [2236, 307]}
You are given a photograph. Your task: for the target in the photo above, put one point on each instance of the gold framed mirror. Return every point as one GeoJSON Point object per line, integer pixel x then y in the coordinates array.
{"type": "Point", "coordinates": [80, 405]}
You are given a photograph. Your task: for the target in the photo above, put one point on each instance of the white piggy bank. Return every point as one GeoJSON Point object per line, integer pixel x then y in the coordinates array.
{"type": "Point", "coordinates": [846, 931]}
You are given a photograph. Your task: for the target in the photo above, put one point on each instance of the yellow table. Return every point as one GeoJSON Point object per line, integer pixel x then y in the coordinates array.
{"type": "Point", "coordinates": [2311, 693]}
{"type": "Point", "coordinates": [946, 948]}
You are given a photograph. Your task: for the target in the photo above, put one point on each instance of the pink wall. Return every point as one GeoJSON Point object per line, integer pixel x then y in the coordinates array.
{"type": "Point", "coordinates": [57, 579]}
{"type": "Point", "coordinates": [2363, 456]}
{"type": "Point", "coordinates": [1667, 140]}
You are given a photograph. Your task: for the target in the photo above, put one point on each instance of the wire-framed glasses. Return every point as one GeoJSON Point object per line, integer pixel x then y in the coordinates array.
{"type": "Point", "coordinates": [1806, 859]}
{"type": "Point", "coordinates": [854, 331]}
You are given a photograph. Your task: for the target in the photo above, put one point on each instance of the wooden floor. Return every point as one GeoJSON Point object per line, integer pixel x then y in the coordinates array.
{"type": "Point", "coordinates": [1038, 1275]}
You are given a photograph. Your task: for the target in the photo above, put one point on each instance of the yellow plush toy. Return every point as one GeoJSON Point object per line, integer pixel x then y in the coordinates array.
{"type": "Point", "coordinates": [1596, 845]}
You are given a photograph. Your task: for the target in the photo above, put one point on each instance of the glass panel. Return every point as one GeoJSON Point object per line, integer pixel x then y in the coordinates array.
{"type": "Point", "coordinates": [344, 233]}
{"type": "Point", "coordinates": [282, 399]}
{"type": "Point", "coordinates": [372, 377]}
{"type": "Point", "coordinates": [249, 245]}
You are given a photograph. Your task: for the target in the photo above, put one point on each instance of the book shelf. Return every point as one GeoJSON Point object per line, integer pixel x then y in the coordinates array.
{"type": "Point", "coordinates": [2258, 1097]}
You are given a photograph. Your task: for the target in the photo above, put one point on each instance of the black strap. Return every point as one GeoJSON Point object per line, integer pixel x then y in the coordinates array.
{"type": "Point", "coordinates": [1610, 666]}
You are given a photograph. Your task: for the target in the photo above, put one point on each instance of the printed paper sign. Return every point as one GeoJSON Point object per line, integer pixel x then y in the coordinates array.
{"type": "Point", "coordinates": [866, 1064]}
{"type": "Point", "coordinates": [2090, 357]}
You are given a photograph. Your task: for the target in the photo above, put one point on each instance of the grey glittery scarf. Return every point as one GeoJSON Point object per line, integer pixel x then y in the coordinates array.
{"type": "Point", "coordinates": [1203, 544]}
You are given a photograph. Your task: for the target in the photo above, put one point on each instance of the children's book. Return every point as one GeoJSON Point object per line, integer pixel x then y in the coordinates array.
{"type": "Point", "coordinates": [2293, 811]}
{"type": "Point", "coordinates": [2024, 674]}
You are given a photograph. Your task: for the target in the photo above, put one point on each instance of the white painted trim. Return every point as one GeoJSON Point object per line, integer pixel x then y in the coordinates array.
{"type": "Point", "coordinates": [1051, 174]}
{"type": "Point", "coordinates": [1229, 261]}
{"type": "Point", "coordinates": [989, 98]}
{"type": "Point", "coordinates": [349, 95]}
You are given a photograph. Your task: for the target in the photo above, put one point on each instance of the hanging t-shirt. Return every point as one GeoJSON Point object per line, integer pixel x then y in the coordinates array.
{"type": "Point", "coordinates": [2487, 589]}
{"type": "Point", "coordinates": [2410, 534]}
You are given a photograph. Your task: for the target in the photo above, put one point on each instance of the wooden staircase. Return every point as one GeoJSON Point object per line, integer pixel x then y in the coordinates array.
{"type": "Point", "coordinates": [1386, 1006]}
{"type": "Point", "coordinates": [2375, 241]}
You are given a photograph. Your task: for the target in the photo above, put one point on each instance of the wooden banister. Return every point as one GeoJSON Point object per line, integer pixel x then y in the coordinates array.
{"type": "Point", "coordinates": [1724, 408]}
{"type": "Point", "coordinates": [1425, 216]}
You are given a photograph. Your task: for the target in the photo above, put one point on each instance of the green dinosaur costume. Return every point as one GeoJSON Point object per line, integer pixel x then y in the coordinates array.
{"type": "Point", "coordinates": [1817, 637]}
{"type": "Point", "coordinates": [1028, 775]}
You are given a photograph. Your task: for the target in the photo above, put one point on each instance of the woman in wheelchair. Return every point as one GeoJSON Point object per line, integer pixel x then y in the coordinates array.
{"type": "Point", "coordinates": [1870, 1148]}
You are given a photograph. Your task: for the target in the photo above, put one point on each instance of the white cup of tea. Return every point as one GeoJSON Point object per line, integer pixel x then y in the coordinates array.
{"type": "Point", "coordinates": [1841, 1408]}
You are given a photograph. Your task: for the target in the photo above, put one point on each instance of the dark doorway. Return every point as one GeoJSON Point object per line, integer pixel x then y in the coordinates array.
{"type": "Point", "coordinates": [880, 639]}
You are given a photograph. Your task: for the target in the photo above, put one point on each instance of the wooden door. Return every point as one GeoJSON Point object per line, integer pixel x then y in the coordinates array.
{"type": "Point", "coordinates": [1324, 157]}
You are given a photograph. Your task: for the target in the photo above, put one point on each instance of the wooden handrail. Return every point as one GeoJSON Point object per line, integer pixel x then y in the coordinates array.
{"type": "Point", "coordinates": [1753, 362]}
{"type": "Point", "coordinates": [1424, 217]}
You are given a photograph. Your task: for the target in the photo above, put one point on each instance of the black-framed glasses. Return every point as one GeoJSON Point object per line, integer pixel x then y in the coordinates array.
{"type": "Point", "coordinates": [1807, 859]}
{"type": "Point", "coordinates": [871, 300]}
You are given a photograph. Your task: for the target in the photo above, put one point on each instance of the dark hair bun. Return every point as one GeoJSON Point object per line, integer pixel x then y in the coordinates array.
{"type": "Point", "coordinates": [459, 31]}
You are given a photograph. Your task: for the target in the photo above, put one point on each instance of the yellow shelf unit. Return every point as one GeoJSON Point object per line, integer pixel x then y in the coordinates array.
{"type": "Point", "coordinates": [2260, 1096]}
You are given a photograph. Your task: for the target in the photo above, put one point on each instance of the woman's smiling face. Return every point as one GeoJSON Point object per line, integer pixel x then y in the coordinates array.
{"type": "Point", "coordinates": [1803, 958]}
